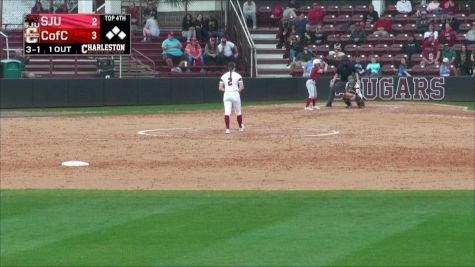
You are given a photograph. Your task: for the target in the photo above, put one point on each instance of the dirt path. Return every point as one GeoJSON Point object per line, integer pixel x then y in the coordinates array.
{"type": "Point", "coordinates": [384, 146]}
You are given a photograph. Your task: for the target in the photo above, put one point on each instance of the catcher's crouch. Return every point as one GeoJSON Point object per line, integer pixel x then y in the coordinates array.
{"type": "Point", "coordinates": [353, 92]}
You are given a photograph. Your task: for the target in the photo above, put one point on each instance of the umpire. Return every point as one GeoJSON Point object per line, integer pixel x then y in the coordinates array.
{"type": "Point", "coordinates": [344, 69]}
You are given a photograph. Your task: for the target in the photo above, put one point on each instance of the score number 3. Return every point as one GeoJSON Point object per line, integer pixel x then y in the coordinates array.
{"type": "Point", "coordinates": [94, 35]}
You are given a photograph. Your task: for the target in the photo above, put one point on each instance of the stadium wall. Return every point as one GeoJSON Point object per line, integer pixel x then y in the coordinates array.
{"type": "Point", "coordinates": [34, 93]}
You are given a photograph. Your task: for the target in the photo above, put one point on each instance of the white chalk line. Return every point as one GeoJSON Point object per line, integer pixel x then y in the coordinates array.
{"type": "Point", "coordinates": [157, 132]}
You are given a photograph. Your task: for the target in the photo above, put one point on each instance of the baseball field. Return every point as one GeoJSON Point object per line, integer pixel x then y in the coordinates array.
{"type": "Point", "coordinates": [388, 185]}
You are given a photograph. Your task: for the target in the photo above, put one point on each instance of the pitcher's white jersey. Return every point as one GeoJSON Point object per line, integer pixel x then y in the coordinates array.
{"type": "Point", "coordinates": [231, 81]}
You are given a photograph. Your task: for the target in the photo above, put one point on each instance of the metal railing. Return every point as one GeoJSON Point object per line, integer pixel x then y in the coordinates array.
{"type": "Point", "coordinates": [6, 41]}
{"type": "Point", "coordinates": [138, 60]}
{"type": "Point", "coordinates": [237, 30]}
{"type": "Point", "coordinates": [253, 55]}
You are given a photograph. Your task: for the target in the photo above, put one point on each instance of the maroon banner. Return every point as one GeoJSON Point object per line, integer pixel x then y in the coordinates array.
{"type": "Point", "coordinates": [70, 21]}
{"type": "Point", "coordinates": [69, 36]}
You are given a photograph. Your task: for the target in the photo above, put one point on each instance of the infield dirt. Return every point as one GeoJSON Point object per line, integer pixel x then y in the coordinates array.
{"type": "Point", "coordinates": [400, 146]}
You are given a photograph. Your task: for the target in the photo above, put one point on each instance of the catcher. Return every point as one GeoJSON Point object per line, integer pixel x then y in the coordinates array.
{"type": "Point", "coordinates": [353, 92]}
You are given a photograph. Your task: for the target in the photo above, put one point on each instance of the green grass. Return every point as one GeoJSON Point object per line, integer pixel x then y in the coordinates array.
{"type": "Point", "coordinates": [160, 109]}
{"type": "Point", "coordinates": [250, 228]}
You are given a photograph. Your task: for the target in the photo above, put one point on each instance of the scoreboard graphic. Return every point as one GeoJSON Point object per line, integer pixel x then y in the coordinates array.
{"type": "Point", "coordinates": [76, 34]}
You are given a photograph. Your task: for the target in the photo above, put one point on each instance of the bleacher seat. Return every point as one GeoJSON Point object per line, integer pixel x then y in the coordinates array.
{"type": "Point", "coordinates": [343, 18]}
{"type": "Point", "coordinates": [360, 9]}
{"type": "Point", "coordinates": [465, 27]}
{"type": "Point", "coordinates": [347, 10]}
{"type": "Point", "coordinates": [387, 70]}
{"type": "Point", "coordinates": [390, 9]}
{"type": "Point", "coordinates": [382, 48]}
{"type": "Point", "coordinates": [332, 10]}
{"type": "Point", "coordinates": [395, 48]}
{"type": "Point", "coordinates": [356, 18]}
{"type": "Point", "coordinates": [398, 28]}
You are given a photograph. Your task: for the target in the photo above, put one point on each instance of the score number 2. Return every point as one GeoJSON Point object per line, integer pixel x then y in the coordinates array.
{"type": "Point", "coordinates": [94, 21]}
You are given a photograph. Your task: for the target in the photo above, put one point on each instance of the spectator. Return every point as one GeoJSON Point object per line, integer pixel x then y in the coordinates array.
{"type": "Point", "coordinates": [470, 36]}
{"type": "Point", "coordinates": [448, 7]}
{"type": "Point", "coordinates": [307, 68]}
{"type": "Point", "coordinates": [295, 48]}
{"type": "Point", "coordinates": [37, 8]}
{"type": "Point", "coordinates": [212, 27]}
{"type": "Point", "coordinates": [430, 55]}
{"type": "Point", "coordinates": [151, 11]}
{"type": "Point", "coordinates": [211, 53]}
{"type": "Point", "coordinates": [249, 10]}
{"type": "Point", "coordinates": [430, 41]}
{"type": "Point", "coordinates": [227, 51]}
{"type": "Point", "coordinates": [402, 69]}
{"type": "Point", "coordinates": [188, 27]}
{"type": "Point", "coordinates": [300, 25]}
{"type": "Point", "coordinates": [411, 47]}
{"type": "Point", "coordinates": [285, 28]}
{"type": "Point", "coordinates": [193, 54]}
{"type": "Point", "coordinates": [151, 29]}
{"type": "Point", "coordinates": [315, 15]}
{"type": "Point", "coordinates": [422, 22]}
{"type": "Point", "coordinates": [301, 59]}
{"type": "Point", "coordinates": [172, 53]}
{"type": "Point", "coordinates": [445, 68]}
{"type": "Point", "coordinates": [431, 32]}
{"type": "Point", "coordinates": [336, 51]}
{"type": "Point", "coordinates": [382, 27]}
{"type": "Point", "coordinates": [276, 12]}
{"type": "Point", "coordinates": [358, 34]}
{"type": "Point", "coordinates": [51, 7]}
{"type": "Point", "coordinates": [370, 16]}
{"type": "Point", "coordinates": [63, 8]}
{"type": "Point", "coordinates": [200, 28]}
{"type": "Point", "coordinates": [359, 66]}
{"type": "Point", "coordinates": [320, 36]}
{"type": "Point", "coordinates": [449, 54]}
{"type": "Point", "coordinates": [434, 7]}
{"type": "Point", "coordinates": [308, 36]}
{"type": "Point", "coordinates": [24, 60]}
{"type": "Point", "coordinates": [454, 23]}
{"type": "Point", "coordinates": [404, 6]}
{"type": "Point", "coordinates": [373, 69]}
{"type": "Point", "coordinates": [289, 13]}
{"type": "Point", "coordinates": [463, 63]}
{"type": "Point", "coordinates": [447, 35]}
{"type": "Point", "coordinates": [294, 5]}
{"type": "Point", "coordinates": [134, 15]}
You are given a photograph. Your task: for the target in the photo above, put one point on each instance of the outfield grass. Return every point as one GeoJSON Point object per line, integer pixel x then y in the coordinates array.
{"type": "Point", "coordinates": [251, 228]}
{"type": "Point", "coordinates": [159, 109]}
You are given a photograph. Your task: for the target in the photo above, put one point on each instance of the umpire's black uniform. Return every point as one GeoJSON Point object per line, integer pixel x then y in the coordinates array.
{"type": "Point", "coordinates": [344, 69]}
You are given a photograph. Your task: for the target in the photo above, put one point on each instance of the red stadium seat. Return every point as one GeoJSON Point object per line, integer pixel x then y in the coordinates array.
{"type": "Point", "coordinates": [465, 27]}
{"type": "Point", "coordinates": [410, 28]}
{"type": "Point", "coordinates": [367, 48]}
{"type": "Point", "coordinates": [372, 39]}
{"type": "Point", "coordinates": [381, 48]}
{"type": "Point", "coordinates": [401, 18]}
{"type": "Point", "coordinates": [470, 18]}
{"type": "Point", "coordinates": [457, 47]}
{"type": "Point", "coordinates": [304, 9]}
{"type": "Point", "coordinates": [333, 10]}
{"type": "Point", "coordinates": [345, 38]}
{"type": "Point", "coordinates": [395, 48]}
{"type": "Point", "coordinates": [433, 70]}
{"type": "Point", "coordinates": [322, 49]}
{"type": "Point", "coordinates": [388, 17]}
{"type": "Point", "coordinates": [397, 58]}
{"type": "Point", "coordinates": [402, 38]}
{"type": "Point", "coordinates": [460, 37]}
{"type": "Point", "coordinates": [329, 19]}
{"type": "Point", "coordinates": [419, 37]}
{"type": "Point", "coordinates": [352, 49]}
{"type": "Point", "coordinates": [356, 18]}
{"type": "Point", "coordinates": [416, 58]}
{"type": "Point", "coordinates": [388, 70]}
{"type": "Point", "coordinates": [328, 28]}
{"type": "Point", "coordinates": [387, 59]}
{"type": "Point", "coordinates": [348, 9]}
{"type": "Point", "coordinates": [461, 17]}
{"type": "Point", "coordinates": [398, 28]}
{"type": "Point", "coordinates": [471, 47]}
{"type": "Point", "coordinates": [360, 9]}
{"type": "Point", "coordinates": [390, 9]}
{"type": "Point", "coordinates": [344, 18]}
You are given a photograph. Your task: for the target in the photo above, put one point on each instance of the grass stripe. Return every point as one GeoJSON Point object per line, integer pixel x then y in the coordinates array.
{"type": "Point", "coordinates": [243, 228]}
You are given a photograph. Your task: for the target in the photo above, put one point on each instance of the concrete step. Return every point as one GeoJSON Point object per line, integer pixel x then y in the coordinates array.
{"type": "Point", "coordinates": [265, 46]}
{"type": "Point", "coordinates": [266, 41]}
{"type": "Point", "coordinates": [272, 67]}
{"type": "Point", "coordinates": [256, 36]}
{"type": "Point", "coordinates": [264, 30]}
{"type": "Point", "coordinates": [274, 51]}
{"type": "Point", "coordinates": [268, 56]}
{"type": "Point", "coordinates": [273, 75]}
{"type": "Point", "coordinates": [273, 61]}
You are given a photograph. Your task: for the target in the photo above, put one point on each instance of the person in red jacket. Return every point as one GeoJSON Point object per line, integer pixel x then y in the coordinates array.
{"type": "Point", "coordinates": [315, 15]}
{"type": "Point", "coordinates": [447, 35]}
{"type": "Point", "coordinates": [448, 7]}
{"type": "Point", "coordinates": [382, 27]}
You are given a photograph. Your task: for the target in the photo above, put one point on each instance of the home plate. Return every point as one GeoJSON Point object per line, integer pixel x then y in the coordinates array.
{"type": "Point", "coordinates": [75, 163]}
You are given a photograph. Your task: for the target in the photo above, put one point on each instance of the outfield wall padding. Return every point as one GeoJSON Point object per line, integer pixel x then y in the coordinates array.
{"type": "Point", "coordinates": [34, 93]}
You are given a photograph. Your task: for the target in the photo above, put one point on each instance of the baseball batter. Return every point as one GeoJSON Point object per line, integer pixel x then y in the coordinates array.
{"type": "Point", "coordinates": [231, 84]}
{"type": "Point", "coordinates": [311, 83]}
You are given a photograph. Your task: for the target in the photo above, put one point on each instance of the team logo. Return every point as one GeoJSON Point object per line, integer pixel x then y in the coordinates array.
{"type": "Point", "coordinates": [31, 26]}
